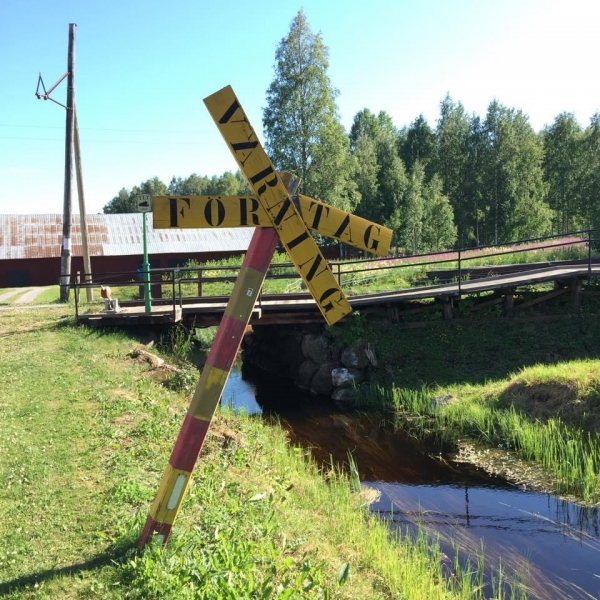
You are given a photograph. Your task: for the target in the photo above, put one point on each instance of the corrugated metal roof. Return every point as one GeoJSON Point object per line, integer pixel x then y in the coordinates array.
{"type": "Point", "coordinates": [40, 236]}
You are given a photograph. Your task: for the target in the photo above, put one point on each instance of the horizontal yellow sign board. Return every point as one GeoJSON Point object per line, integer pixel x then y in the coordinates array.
{"type": "Point", "coordinates": [273, 196]}
{"type": "Point", "coordinates": [197, 212]}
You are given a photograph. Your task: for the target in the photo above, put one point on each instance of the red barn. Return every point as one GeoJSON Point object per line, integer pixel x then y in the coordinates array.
{"type": "Point", "coordinates": [30, 246]}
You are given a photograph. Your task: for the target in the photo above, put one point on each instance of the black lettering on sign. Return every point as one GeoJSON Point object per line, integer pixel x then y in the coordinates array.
{"type": "Point", "coordinates": [229, 112]}
{"type": "Point", "coordinates": [367, 238]}
{"type": "Point", "coordinates": [316, 262]}
{"type": "Point", "coordinates": [285, 205]}
{"type": "Point", "coordinates": [318, 213]}
{"type": "Point", "coordinates": [326, 301]}
{"type": "Point", "coordinates": [173, 212]}
{"type": "Point", "coordinates": [246, 212]}
{"type": "Point", "coordinates": [241, 147]}
{"type": "Point", "coordinates": [173, 220]}
{"type": "Point", "coordinates": [263, 175]}
{"type": "Point", "coordinates": [344, 225]}
{"type": "Point", "coordinates": [298, 240]}
{"type": "Point", "coordinates": [208, 212]}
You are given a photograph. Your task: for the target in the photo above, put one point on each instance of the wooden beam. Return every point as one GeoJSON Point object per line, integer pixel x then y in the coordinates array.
{"type": "Point", "coordinates": [548, 296]}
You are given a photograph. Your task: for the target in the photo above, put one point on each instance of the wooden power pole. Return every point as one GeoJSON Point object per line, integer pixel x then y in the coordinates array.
{"type": "Point", "coordinates": [65, 250]}
{"type": "Point", "coordinates": [71, 140]}
{"type": "Point", "coordinates": [87, 267]}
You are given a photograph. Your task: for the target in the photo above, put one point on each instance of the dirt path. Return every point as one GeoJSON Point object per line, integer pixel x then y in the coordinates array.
{"type": "Point", "coordinates": [6, 295]}
{"type": "Point", "coordinates": [29, 295]}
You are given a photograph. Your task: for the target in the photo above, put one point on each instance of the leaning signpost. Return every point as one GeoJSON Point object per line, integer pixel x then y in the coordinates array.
{"type": "Point", "coordinates": [279, 215]}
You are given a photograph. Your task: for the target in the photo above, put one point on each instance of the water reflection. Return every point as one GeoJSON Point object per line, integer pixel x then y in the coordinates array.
{"type": "Point", "coordinates": [550, 543]}
{"type": "Point", "coordinates": [239, 393]}
{"type": "Point", "coordinates": [553, 545]}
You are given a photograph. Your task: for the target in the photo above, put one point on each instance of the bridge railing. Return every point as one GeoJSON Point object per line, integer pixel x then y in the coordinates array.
{"type": "Point", "coordinates": [471, 263]}
{"type": "Point", "coordinates": [176, 285]}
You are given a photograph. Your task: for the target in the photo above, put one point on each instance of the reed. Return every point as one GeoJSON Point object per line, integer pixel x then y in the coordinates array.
{"type": "Point", "coordinates": [570, 454]}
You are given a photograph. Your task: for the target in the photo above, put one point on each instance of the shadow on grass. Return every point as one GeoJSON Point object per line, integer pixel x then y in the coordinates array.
{"type": "Point", "coordinates": [112, 556]}
{"type": "Point", "coordinates": [448, 353]}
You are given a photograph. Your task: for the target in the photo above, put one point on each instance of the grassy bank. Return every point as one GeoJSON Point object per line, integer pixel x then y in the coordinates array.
{"type": "Point", "coordinates": [86, 431]}
{"type": "Point", "coordinates": [532, 388]}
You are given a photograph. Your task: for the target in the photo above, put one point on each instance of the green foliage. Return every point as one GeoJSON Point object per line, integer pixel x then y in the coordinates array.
{"type": "Point", "coordinates": [351, 330]}
{"type": "Point", "coordinates": [419, 145]}
{"type": "Point", "coordinates": [124, 201]}
{"type": "Point", "coordinates": [229, 183]}
{"type": "Point", "coordinates": [184, 379]}
{"type": "Point", "coordinates": [497, 179]}
{"type": "Point", "coordinates": [302, 129]}
{"type": "Point", "coordinates": [177, 343]}
{"type": "Point", "coordinates": [439, 231]}
{"type": "Point", "coordinates": [562, 164]}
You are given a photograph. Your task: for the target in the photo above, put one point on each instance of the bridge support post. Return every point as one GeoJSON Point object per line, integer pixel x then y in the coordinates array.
{"type": "Point", "coordinates": [575, 288]}
{"type": "Point", "coordinates": [509, 303]}
{"type": "Point", "coordinates": [393, 313]}
{"type": "Point", "coordinates": [448, 308]}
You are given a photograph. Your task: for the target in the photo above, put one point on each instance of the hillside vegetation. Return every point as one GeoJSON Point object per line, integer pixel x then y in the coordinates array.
{"type": "Point", "coordinates": [86, 431]}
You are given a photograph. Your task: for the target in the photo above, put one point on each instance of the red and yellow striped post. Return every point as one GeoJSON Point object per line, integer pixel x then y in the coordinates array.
{"type": "Point", "coordinates": [176, 477]}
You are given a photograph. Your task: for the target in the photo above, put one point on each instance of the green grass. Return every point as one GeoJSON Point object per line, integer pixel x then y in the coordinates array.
{"type": "Point", "coordinates": [571, 455]}
{"type": "Point", "coordinates": [529, 387]}
{"type": "Point", "coordinates": [85, 435]}
{"type": "Point", "coordinates": [50, 295]}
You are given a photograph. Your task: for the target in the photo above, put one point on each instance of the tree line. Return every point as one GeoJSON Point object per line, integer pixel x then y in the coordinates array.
{"type": "Point", "coordinates": [469, 180]}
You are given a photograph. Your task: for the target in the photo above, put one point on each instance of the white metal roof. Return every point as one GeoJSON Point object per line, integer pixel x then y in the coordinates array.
{"type": "Point", "coordinates": [40, 236]}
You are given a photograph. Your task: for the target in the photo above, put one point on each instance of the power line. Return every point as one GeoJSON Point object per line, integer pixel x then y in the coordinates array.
{"type": "Point", "coordinates": [200, 131]}
{"type": "Point", "coordinates": [106, 141]}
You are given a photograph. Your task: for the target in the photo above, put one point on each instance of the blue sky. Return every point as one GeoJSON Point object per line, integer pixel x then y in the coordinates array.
{"type": "Point", "coordinates": [143, 68]}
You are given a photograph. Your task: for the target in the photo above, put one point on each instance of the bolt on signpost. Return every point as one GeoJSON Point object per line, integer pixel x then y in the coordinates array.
{"type": "Point", "coordinates": [278, 215]}
{"type": "Point", "coordinates": [144, 205]}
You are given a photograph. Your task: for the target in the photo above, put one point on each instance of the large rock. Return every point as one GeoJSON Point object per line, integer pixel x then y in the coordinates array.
{"type": "Point", "coordinates": [316, 348]}
{"type": "Point", "coordinates": [344, 398]}
{"type": "Point", "coordinates": [306, 372]}
{"type": "Point", "coordinates": [321, 382]}
{"type": "Point", "coordinates": [343, 377]}
{"type": "Point", "coordinates": [354, 357]}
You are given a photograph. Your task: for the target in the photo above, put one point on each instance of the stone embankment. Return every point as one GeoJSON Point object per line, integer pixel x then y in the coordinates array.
{"type": "Point", "coordinates": [312, 358]}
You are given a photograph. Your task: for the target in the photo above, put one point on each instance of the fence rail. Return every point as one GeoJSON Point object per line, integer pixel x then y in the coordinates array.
{"type": "Point", "coordinates": [423, 269]}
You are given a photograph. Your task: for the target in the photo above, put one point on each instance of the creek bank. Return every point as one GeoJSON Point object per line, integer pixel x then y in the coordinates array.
{"type": "Point", "coordinates": [312, 358]}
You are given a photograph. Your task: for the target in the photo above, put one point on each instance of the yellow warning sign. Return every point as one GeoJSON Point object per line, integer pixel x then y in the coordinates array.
{"type": "Point", "coordinates": [199, 212]}
{"type": "Point", "coordinates": [275, 200]}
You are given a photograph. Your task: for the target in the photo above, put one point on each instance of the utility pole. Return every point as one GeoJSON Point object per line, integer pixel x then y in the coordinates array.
{"type": "Point", "coordinates": [65, 251]}
{"type": "Point", "coordinates": [65, 248]}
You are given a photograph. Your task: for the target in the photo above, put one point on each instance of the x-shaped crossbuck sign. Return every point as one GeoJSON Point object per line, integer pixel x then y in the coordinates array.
{"type": "Point", "coordinates": [278, 215]}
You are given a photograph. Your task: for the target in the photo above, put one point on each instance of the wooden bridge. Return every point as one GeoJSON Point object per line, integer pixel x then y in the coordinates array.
{"type": "Point", "coordinates": [503, 285]}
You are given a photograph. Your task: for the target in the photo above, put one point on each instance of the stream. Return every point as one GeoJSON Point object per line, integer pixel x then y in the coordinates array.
{"type": "Point", "coordinates": [550, 545]}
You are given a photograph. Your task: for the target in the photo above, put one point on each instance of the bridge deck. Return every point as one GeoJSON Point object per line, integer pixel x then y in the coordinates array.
{"type": "Point", "coordinates": [297, 308]}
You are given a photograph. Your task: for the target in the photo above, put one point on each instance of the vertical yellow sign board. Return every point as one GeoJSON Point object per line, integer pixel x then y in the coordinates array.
{"type": "Point", "coordinates": [274, 198]}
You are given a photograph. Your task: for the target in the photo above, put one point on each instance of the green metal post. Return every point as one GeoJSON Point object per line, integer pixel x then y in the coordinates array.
{"type": "Point", "coordinates": [146, 268]}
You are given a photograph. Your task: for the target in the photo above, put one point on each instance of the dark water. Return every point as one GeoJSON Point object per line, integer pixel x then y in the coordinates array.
{"type": "Point", "coordinates": [553, 546]}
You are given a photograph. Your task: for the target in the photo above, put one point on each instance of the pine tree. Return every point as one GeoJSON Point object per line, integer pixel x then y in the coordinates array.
{"type": "Point", "coordinates": [301, 124]}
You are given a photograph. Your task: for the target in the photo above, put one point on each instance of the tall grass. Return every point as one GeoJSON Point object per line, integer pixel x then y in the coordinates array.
{"type": "Point", "coordinates": [569, 454]}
